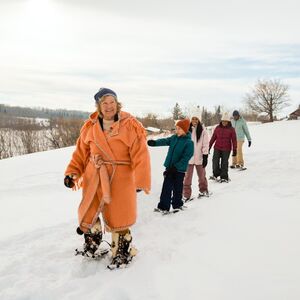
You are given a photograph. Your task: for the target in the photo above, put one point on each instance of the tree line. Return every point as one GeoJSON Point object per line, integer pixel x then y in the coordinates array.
{"type": "Point", "coordinates": [43, 113]}
{"type": "Point", "coordinates": [21, 132]}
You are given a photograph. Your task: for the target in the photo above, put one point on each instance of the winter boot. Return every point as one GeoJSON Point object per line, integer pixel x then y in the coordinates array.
{"type": "Point", "coordinates": [92, 241]}
{"type": "Point", "coordinates": [122, 250]}
{"type": "Point", "coordinates": [162, 211]}
{"type": "Point", "coordinates": [204, 194]}
{"type": "Point", "coordinates": [224, 180]}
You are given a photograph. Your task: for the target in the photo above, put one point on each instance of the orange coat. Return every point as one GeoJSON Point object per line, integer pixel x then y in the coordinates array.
{"type": "Point", "coordinates": [110, 166]}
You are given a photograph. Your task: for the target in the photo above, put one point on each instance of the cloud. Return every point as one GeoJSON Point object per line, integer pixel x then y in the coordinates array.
{"type": "Point", "coordinates": [58, 53]}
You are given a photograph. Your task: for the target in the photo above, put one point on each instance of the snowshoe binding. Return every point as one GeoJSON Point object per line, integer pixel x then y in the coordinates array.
{"type": "Point", "coordinates": [214, 178]}
{"type": "Point", "coordinates": [122, 250]}
{"type": "Point", "coordinates": [224, 180]}
{"type": "Point", "coordinates": [204, 194]}
{"type": "Point", "coordinates": [181, 208]}
{"type": "Point", "coordinates": [162, 211]}
{"type": "Point", "coordinates": [92, 241]}
{"type": "Point", "coordinates": [188, 199]}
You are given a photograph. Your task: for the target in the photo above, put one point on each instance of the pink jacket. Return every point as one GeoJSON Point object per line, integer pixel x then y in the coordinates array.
{"type": "Point", "coordinates": [201, 147]}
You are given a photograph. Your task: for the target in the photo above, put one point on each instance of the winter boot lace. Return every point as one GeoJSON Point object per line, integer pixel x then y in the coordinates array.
{"type": "Point", "coordinates": [122, 250]}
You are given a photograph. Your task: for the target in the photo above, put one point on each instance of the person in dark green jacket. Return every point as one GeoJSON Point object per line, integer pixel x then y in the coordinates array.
{"type": "Point", "coordinates": [181, 149]}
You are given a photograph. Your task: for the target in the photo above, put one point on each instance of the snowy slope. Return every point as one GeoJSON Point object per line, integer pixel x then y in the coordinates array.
{"type": "Point", "coordinates": [242, 243]}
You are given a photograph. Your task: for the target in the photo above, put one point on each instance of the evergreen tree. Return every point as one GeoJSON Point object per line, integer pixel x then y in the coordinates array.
{"type": "Point", "coordinates": [177, 112]}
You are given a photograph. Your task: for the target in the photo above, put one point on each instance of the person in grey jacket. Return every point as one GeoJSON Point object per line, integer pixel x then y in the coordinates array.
{"type": "Point", "coordinates": [241, 129]}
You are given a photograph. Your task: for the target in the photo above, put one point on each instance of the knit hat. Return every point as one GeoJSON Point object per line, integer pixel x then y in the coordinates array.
{"type": "Point", "coordinates": [225, 117]}
{"type": "Point", "coordinates": [184, 124]}
{"type": "Point", "coordinates": [235, 113]}
{"type": "Point", "coordinates": [196, 113]}
{"type": "Point", "coordinates": [104, 92]}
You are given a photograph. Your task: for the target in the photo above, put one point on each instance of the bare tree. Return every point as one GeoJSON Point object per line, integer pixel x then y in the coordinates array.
{"type": "Point", "coordinates": [29, 140]}
{"type": "Point", "coordinates": [63, 132]}
{"type": "Point", "coordinates": [150, 120]}
{"type": "Point", "coordinates": [268, 96]}
{"type": "Point", "coordinates": [3, 146]}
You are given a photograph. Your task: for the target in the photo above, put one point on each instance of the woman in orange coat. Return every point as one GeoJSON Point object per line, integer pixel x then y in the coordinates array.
{"type": "Point", "coordinates": [111, 163]}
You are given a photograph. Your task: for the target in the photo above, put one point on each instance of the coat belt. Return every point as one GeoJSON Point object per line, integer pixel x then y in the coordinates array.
{"type": "Point", "coordinates": [102, 176]}
{"type": "Point", "coordinates": [99, 174]}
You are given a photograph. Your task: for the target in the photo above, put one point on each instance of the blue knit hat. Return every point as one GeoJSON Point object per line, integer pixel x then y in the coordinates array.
{"type": "Point", "coordinates": [235, 113]}
{"type": "Point", "coordinates": [104, 92]}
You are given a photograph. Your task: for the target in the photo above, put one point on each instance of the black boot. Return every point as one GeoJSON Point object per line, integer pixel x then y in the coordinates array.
{"type": "Point", "coordinates": [92, 241]}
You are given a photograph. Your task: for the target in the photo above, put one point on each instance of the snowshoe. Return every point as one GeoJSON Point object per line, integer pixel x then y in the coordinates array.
{"type": "Point", "coordinates": [214, 178]}
{"type": "Point", "coordinates": [242, 168]}
{"type": "Point", "coordinates": [91, 246]}
{"type": "Point", "coordinates": [223, 180]}
{"type": "Point", "coordinates": [236, 166]}
{"type": "Point", "coordinates": [204, 194]}
{"type": "Point", "coordinates": [92, 241]}
{"type": "Point", "coordinates": [184, 199]}
{"type": "Point", "coordinates": [163, 212]}
{"type": "Point", "coordinates": [181, 208]}
{"type": "Point", "coordinates": [122, 250]}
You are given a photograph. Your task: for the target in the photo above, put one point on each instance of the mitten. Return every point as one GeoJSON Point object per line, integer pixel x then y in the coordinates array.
{"type": "Point", "coordinates": [151, 143]}
{"type": "Point", "coordinates": [68, 182]}
{"type": "Point", "coordinates": [204, 160]}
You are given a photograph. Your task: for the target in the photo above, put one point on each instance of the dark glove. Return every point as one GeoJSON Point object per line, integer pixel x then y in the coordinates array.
{"type": "Point", "coordinates": [170, 171]}
{"type": "Point", "coordinates": [79, 231]}
{"type": "Point", "coordinates": [138, 190]}
{"type": "Point", "coordinates": [234, 153]}
{"type": "Point", "coordinates": [68, 181]}
{"type": "Point", "coordinates": [151, 143]}
{"type": "Point", "coordinates": [204, 160]}
{"type": "Point", "coordinates": [249, 143]}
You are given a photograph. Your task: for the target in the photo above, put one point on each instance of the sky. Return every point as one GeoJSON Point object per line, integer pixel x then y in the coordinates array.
{"type": "Point", "coordinates": [58, 53]}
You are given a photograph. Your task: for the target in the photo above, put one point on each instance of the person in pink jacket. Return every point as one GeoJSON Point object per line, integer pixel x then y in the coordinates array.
{"type": "Point", "coordinates": [199, 159]}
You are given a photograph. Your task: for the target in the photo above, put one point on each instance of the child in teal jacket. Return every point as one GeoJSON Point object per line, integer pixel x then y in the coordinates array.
{"type": "Point", "coordinates": [181, 149]}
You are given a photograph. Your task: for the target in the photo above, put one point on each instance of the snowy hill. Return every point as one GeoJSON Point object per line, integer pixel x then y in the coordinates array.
{"type": "Point", "coordinates": [242, 243]}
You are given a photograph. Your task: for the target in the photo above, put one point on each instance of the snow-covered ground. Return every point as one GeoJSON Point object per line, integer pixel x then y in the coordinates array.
{"type": "Point", "coordinates": [242, 243]}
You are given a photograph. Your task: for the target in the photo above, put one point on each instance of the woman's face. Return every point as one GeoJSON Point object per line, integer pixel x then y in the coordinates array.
{"type": "Point", "coordinates": [108, 107]}
{"type": "Point", "coordinates": [195, 121]}
{"type": "Point", "coordinates": [224, 123]}
{"type": "Point", "coordinates": [179, 131]}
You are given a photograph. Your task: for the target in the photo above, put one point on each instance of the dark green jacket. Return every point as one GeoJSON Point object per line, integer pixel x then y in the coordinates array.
{"type": "Point", "coordinates": [180, 151]}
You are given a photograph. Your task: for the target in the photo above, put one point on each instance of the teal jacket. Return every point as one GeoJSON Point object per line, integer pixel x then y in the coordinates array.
{"type": "Point", "coordinates": [241, 129]}
{"type": "Point", "coordinates": [180, 151]}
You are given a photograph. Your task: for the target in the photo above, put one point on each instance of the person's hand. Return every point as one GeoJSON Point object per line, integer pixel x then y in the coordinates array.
{"type": "Point", "coordinates": [234, 153]}
{"type": "Point", "coordinates": [249, 143]}
{"type": "Point", "coordinates": [170, 171]}
{"type": "Point", "coordinates": [151, 143]}
{"type": "Point", "coordinates": [69, 182]}
{"type": "Point", "coordinates": [204, 160]}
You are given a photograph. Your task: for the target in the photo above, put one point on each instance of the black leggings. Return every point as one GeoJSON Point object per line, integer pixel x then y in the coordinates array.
{"type": "Point", "coordinates": [220, 163]}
